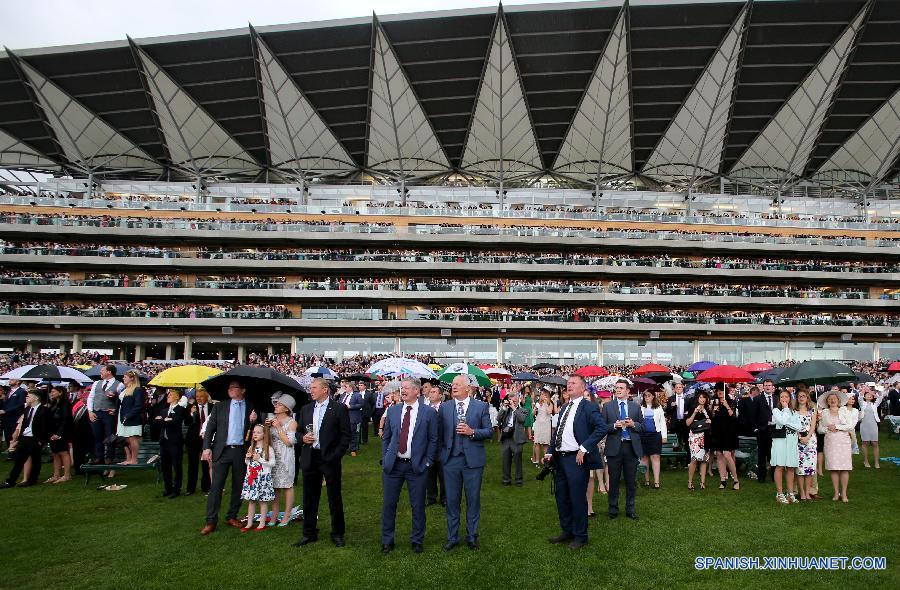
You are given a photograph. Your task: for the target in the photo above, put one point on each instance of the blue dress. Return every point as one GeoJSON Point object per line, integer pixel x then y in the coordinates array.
{"type": "Point", "coordinates": [784, 450]}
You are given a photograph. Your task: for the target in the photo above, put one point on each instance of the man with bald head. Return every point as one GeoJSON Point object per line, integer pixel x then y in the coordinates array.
{"type": "Point", "coordinates": [465, 424]}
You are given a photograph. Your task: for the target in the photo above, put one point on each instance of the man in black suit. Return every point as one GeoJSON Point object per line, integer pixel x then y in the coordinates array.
{"type": "Point", "coordinates": [12, 410]}
{"type": "Point", "coordinates": [511, 422]}
{"type": "Point", "coordinates": [762, 411]}
{"type": "Point", "coordinates": [678, 407]}
{"type": "Point", "coordinates": [198, 412]}
{"type": "Point", "coordinates": [354, 403]}
{"type": "Point", "coordinates": [746, 412]}
{"type": "Point", "coordinates": [166, 421]}
{"type": "Point", "coordinates": [378, 410]}
{"type": "Point", "coordinates": [624, 424]}
{"type": "Point", "coordinates": [368, 409]}
{"type": "Point", "coordinates": [225, 444]}
{"type": "Point", "coordinates": [326, 425]}
{"type": "Point", "coordinates": [33, 435]}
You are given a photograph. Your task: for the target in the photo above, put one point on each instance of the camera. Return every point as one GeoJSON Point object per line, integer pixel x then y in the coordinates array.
{"type": "Point", "coordinates": [546, 470]}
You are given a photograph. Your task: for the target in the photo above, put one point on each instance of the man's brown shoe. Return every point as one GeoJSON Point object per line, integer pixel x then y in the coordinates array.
{"type": "Point", "coordinates": [209, 528]}
{"type": "Point", "coordinates": [235, 523]}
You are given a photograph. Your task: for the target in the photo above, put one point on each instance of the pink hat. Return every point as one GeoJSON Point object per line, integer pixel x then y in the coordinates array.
{"type": "Point", "coordinates": [605, 394]}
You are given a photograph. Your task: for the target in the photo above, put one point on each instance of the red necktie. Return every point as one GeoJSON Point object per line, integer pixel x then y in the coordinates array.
{"type": "Point", "coordinates": [202, 416]}
{"type": "Point", "coordinates": [404, 432]}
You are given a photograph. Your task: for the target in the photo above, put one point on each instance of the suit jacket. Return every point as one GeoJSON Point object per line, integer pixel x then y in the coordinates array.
{"type": "Point", "coordinates": [519, 434]}
{"type": "Point", "coordinates": [478, 417]}
{"type": "Point", "coordinates": [170, 428]}
{"type": "Point", "coordinates": [614, 435]}
{"type": "Point", "coordinates": [589, 429]}
{"type": "Point", "coordinates": [762, 413]}
{"type": "Point", "coordinates": [14, 406]}
{"type": "Point", "coordinates": [334, 434]}
{"type": "Point", "coordinates": [672, 408]}
{"type": "Point", "coordinates": [217, 427]}
{"type": "Point", "coordinates": [40, 425]}
{"type": "Point", "coordinates": [131, 408]}
{"type": "Point", "coordinates": [354, 407]}
{"type": "Point", "coordinates": [368, 404]}
{"type": "Point", "coordinates": [424, 438]}
{"type": "Point", "coordinates": [746, 411]}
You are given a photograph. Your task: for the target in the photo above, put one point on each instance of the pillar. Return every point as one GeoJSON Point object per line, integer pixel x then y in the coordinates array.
{"type": "Point", "coordinates": [295, 344]}
{"type": "Point", "coordinates": [170, 352]}
{"type": "Point", "coordinates": [118, 353]}
{"type": "Point", "coordinates": [29, 346]}
{"type": "Point", "coordinates": [876, 351]}
{"type": "Point", "coordinates": [63, 348]}
{"type": "Point", "coordinates": [499, 350]}
{"type": "Point", "coordinates": [138, 353]}
{"type": "Point", "coordinates": [397, 345]}
{"type": "Point", "coordinates": [76, 343]}
{"type": "Point", "coordinates": [787, 350]}
{"type": "Point", "coordinates": [242, 353]}
{"type": "Point", "coordinates": [270, 350]}
{"type": "Point", "coordinates": [599, 352]}
{"type": "Point", "coordinates": [220, 354]}
{"type": "Point", "coordinates": [696, 352]}
{"type": "Point", "coordinates": [188, 347]}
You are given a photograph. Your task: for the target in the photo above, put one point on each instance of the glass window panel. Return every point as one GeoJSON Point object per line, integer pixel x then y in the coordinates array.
{"type": "Point", "coordinates": [889, 351]}
{"type": "Point", "coordinates": [522, 351]}
{"type": "Point", "coordinates": [835, 351]}
{"type": "Point", "coordinates": [448, 350]}
{"type": "Point", "coordinates": [340, 348]}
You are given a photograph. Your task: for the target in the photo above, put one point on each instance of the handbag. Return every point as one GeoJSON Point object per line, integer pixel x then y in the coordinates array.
{"type": "Point", "coordinates": [777, 432]}
{"type": "Point", "coordinates": [700, 425]}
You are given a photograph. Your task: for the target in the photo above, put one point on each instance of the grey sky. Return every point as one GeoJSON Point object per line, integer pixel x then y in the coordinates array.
{"type": "Point", "coordinates": [44, 23]}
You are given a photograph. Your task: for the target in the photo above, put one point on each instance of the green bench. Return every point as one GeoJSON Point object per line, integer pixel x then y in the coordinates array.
{"type": "Point", "coordinates": [669, 450]}
{"type": "Point", "coordinates": [148, 450]}
{"type": "Point", "coordinates": [746, 452]}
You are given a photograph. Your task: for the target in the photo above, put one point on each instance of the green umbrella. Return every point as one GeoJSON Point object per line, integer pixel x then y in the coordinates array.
{"type": "Point", "coordinates": [688, 375]}
{"type": "Point", "coordinates": [819, 372]}
{"type": "Point", "coordinates": [451, 371]}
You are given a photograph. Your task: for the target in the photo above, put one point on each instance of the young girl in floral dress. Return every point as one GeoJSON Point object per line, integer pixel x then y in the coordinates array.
{"type": "Point", "coordinates": [258, 482]}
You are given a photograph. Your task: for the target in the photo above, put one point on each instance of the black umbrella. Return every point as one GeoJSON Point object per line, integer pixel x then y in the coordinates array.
{"type": "Point", "coordinates": [523, 376]}
{"type": "Point", "coordinates": [772, 374]}
{"type": "Point", "coordinates": [860, 378]}
{"type": "Point", "coordinates": [121, 369]}
{"type": "Point", "coordinates": [553, 380]}
{"type": "Point", "coordinates": [819, 372]}
{"type": "Point", "coordinates": [358, 377]}
{"type": "Point", "coordinates": [658, 377]}
{"type": "Point", "coordinates": [53, 373]}
{"type": "Point", "coordinates": [540, 366]}
{"type": "Point", "coordinates": [260, 383]}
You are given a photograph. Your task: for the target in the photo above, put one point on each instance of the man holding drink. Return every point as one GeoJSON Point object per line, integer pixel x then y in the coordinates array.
{"type": "Point", "coordinates": [326, 427]}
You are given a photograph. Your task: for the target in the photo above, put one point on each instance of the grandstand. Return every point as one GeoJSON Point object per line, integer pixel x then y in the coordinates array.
{"type": "Point", "coordinates": [597, 182]}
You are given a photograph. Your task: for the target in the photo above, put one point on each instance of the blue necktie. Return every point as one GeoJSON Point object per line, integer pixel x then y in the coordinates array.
{"type": "Point", "coordinates": [626, 435]}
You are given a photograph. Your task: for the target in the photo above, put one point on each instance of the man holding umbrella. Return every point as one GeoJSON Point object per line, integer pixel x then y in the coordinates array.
{"type": "Point", "coordinates": [224, 444]}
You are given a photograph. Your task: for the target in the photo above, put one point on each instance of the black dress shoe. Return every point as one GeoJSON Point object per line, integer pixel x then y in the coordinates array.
{"type": "Point", "coordinates": [632, 516]}
{"type": "Point", "coordinates": [6, 485]}
{"type": "Point", "coordinates": [305, 541]}
{"type": "Point", "coordinates": [174, 495]}
{"type": "Point", "coordinates": [25, 484]}
{"type": "Point", "coordinates": [450, 545]}
{"type": "Point", "coordinates": [576, 544]}
{"type": "Point", "coordinates": [189, 493]}
{"type": "Point", "coordinates": [418, 548]}
{"type": "Point", "coordinates": [612, 516]}
{"type": "Point", "coordinates": [385, 549]}
{"type": "Point", "coordinates": [473, 544]}
{"type": "Point", "coordinates": [338, 540]}
{"type": "Point", "coordinates": [507, 483]}
{"type": "Point", "coordinates": [560, 539]}
{"type": "Point", "coordinates": [166, 494]}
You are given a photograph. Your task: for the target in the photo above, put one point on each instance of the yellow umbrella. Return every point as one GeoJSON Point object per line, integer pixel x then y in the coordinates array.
{"type": "Point", "coordinates": [184, 376]}
{"type": "Point", "coordinates": [83, 367]}
{"type": "Point", "coordinates": [435, 367]}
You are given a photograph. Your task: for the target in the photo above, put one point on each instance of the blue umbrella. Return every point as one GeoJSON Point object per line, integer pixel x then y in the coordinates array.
{"type": "Point", "coordinates": [700, 366]}
{"type": "Point", "coordinates": [770, 374]}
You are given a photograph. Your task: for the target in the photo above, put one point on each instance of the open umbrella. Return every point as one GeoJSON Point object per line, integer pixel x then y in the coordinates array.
{"type": "Point", "coordinates": [524, 376]}
{"type": "Point", "coordinates": [659, 377]}
{"type": "Point", "coordinates": [49, 373]}
{"type": "Point", "coordinates": [260, 383]}
{"type": "Point", "coordinates": [452, 370]}
{"type": "Point", "coordinates": [608, 383]}
{"type": "Point", "coordinates": [401, 367]}
{"type": "Point", "coordinates": [651, 368]}
{"type": "Point", "coordinates": [184, 376]}
{"type": "Point", "coordinates": [701, 366]}
{"type": "Point", "coordinates": [498, 373]}
{"type": "Point", "coordinates": [553, 380]}
{"type": "Point", "coordinates": [894, 367]}
{"type": "Point", "coordinates": [642, 384]}
{"type": "Point", "coordinates": [358, 377]}
{"type": "Point", "coordinates": [725, 374]}
{"type": "Point", "coordinates": [756, 367]}
{"type": "Point", "coordinates": [17, 372]}
{"type": "Point", "coordinates": [540, 366]}
{"type": "Point", "coordinates": [592, 371]}
{"type": "Point", "coordinates": [318, 371]}
{"type": "Point", "coordinates": [772, 374]}
{"type": "Point", "coordinates": [818, 372]}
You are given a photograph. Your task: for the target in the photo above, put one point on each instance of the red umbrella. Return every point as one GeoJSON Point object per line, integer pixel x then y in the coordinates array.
{"type": "Point", "coordinates": [485, 366]}
{"type": "Point", "coordinates": [725, 374]}
{"type": "Point", "coordinates": [651, 368]}
{"type": "Point", "coordinates": [759, 367]}
{"type": "Point", "coordinates": [592, 371]}
{"type": "Point", "coordinates": [894, 367]}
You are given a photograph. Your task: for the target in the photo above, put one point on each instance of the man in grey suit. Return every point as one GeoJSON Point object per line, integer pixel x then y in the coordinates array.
{"type": "Point", "coordinates": [465, 424]}
{"type": "Point", "coordinates": [513, 435]}
{"type": "Point", "coordinates": [624, 423]}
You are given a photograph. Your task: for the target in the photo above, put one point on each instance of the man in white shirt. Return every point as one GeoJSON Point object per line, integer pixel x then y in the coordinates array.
{"type": "Point", "coordinates": [573, 452]}
{"type": "Point", "coordinates": [102, 407]}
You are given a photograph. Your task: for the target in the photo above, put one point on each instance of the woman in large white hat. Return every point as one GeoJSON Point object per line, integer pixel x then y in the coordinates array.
{"type": "Point", "coordinates": [836, 422]}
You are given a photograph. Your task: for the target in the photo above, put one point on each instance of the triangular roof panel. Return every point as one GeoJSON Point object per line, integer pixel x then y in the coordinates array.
{"type": "Point", "coordinates": [15, 154]}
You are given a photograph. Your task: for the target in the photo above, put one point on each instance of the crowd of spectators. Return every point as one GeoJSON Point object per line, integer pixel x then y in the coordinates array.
{"type": "Point", "coordinates": [143, 310]}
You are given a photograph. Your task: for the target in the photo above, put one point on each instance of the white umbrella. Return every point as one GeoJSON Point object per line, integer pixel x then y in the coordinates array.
{"type": "Point", "coordinates": [397, 367]}
{"type": "Point", "coordinates": [609, 383]}
{"type": "Point", "coordinates": [17, 373]}
{"type": "Point", "coordinates": [321, 372]}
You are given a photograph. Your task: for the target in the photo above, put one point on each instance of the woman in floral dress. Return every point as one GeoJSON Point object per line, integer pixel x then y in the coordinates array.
{"type": "Point", "coordinates": [806, 445]}
{"type": "Point", "coordinates": [283, 431]}
{"type": "Point", "coordinates": [258, 481]}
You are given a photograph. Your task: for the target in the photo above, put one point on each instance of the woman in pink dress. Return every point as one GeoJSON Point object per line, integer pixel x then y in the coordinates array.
{"type": "Point", "coordinates": [836, 422]}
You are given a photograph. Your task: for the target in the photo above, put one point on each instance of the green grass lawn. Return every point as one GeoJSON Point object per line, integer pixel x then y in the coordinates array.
{"type": "Point", "coordinates": [75, 537]}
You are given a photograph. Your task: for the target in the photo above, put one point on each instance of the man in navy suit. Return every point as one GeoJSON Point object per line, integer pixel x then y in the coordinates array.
{"type": "Point", "coordinates": [624, 423]}
{"type": "Point", "coordinates": [13, 408]}
{"type": "Point", "coordinates": [465, 424]}
{"type": "Point", "coordinates": [408, 448]}
{"type": "Point", "coordinates": [353, 400]}
{"type": "Point", "coordinates": [573, 452]}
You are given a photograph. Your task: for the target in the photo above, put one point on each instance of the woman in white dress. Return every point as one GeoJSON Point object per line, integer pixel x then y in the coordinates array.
{"type": "Point", "coordinates": [283, 433]}
{"type": "Point", "coordinates": [543, 412]}
{"type": "Point", "coordinates": [868, 420]}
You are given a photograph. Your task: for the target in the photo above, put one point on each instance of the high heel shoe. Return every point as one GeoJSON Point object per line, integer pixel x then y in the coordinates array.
{"type": "Point", "coordinates": [723, 483]}
{"type": "Point", "coordinates": [656, 486]}
{"type": "Point", "coordinates": [691, 486]}
{"type": "Point", "coordinates": [736, 485]}
{"type": "Point", "coordinates": [702, 485]}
